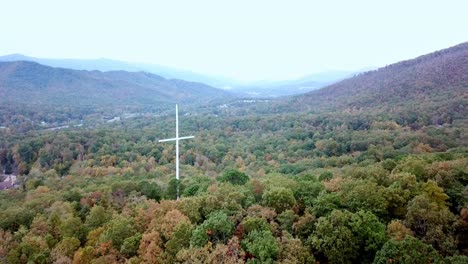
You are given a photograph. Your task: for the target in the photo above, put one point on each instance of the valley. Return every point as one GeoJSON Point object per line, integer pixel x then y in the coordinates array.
{"type": "Point", "coordinates": [369, 169]}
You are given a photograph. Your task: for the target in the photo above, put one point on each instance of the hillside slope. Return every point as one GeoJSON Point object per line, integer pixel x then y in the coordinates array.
{"type": "Point", "coordinates": [435, 84]}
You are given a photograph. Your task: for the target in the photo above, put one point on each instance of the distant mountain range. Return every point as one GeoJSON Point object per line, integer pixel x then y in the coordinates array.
{"type": "Point", "coordinates": [292, 87]}
{"type": "Point", "coordinates": [250, 89]}
{"type": "Point", "coordinates": [31, 82]}
{"type": "Point", "coordinates": [116, 65]}
{"type": "Point", "coordinates": [431, 87]}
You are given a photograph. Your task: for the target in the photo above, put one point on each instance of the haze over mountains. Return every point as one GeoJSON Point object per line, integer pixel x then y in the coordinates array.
{"type": "Point", "coordinates": [252, 88]}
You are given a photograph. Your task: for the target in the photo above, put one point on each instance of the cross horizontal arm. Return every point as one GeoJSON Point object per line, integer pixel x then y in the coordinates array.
{"type": "Point", "coordinates": [168, 139]}
{"type": "Point", "coordinates": [186, 137]}
{"type": "Point", "coordinates": [174, 139]}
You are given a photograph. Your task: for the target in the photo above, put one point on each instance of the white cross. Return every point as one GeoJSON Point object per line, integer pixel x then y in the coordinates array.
{"type": "Point", "coordinates": [176, 139]}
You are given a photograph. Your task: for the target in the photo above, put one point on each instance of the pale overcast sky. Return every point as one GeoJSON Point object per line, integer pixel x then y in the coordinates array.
{"type": "Point", "coordinates": [241, 39]}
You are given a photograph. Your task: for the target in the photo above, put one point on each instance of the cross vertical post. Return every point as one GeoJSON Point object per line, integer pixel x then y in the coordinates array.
{"type": "Point", "coordinates": [176, 139]}
{"type": "Point", "coordinates": [177, 145]}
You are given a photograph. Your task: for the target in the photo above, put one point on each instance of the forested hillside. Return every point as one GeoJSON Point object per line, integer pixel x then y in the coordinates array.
{"type": "Point", "coordinates": [33, 92]}
{"type": "Point", "coordinates": [370, 170]}
{"type": "Point", "coordinates": [436, 83]}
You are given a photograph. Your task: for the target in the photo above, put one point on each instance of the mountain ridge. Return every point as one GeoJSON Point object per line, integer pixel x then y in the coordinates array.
{"type": "Point", "coordinates": [268, 88]}
{"type": "Point", "coordinates": [424, 78]}
{"type": "Point", "coordinates": [31, 80]}
{"type": "Point", "coordinates": [104, 64]}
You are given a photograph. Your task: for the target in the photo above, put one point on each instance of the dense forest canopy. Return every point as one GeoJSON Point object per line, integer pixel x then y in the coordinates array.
{"type": "Point", "coordinates": [376, 174]}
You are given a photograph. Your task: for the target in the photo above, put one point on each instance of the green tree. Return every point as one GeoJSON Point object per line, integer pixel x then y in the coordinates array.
{"type": "Point", "coordinates": [73, 227]}
{"type": "Point", "coordinates": [325, 203]}
{"type": "Point", "coordinates": [364, 195]}
{"type": "Point", "coordinates": [432, 223]}
{"type": "Point", "coordinates": [171, 190]}
{"type": "Point", "coordinates": [254, 223]}
{"type": "Point", "coordinates": [343, 237]}
{"type": "Point", "coordinates": [409, 250]}
{"type": "Point", "coordinates": [279, 198]}
{"type": "Point", "coordinates": [151, 190]}
{"type": "Point", "coordinates": [216, 228]}
{"type": "Point", "coordinates": [307, 191]}
{"type": "Point", "coordinates": [234, 177]}
{"type": "Point", "coordinates": [97, 217]}
{"type": "Point", "coordinates": [262, 245]}
{"type": "Point", "coordinates": [179, 240]}
{"type": "Point", "coordinates": [117, 230]}
{"type": "Point", "coordinates": [130, 245]}
{"type": "Point", "coordinates": [287, 219]}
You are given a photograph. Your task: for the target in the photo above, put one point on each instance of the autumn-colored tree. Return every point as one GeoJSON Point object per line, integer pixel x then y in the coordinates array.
{"type": "Point", "coordinates": [292, 250]}
{"type": "Point", "coordinates": [397, 231]}
{"type": "Point", "coordinates": [151, 248]}
{"type": "Point", "coordinates": [7, 243]}
{"type": "Point", "coordinates": [65, 249]}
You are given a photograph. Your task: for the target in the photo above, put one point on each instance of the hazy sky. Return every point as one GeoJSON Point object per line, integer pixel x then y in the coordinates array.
{"type": "Point", "coordinates": [241, 39]}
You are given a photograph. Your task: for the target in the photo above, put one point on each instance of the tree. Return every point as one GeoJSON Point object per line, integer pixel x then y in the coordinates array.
{"type": "Point", "coordinates": [409, 250]}
{"type": "Point", "coordinates": [216, 228]}
{"type": "Point", "coordinates": [364, 195]}
{"type": "Point", "coordinates": [279, 198]}
{"type": "Point", "coordinates": [234, 177]}
{"type": "Point", "coordinates": [292, 250]}
{"type": "Point", "coordinates": [307, 191]}
{"type": "Point", "coordinates": [286, 220]}
{"type": "Point", "coordinates": [171, 190]}
{"type": "Point", "coordinates": [7, 243]}
{"type": "Point", "coordinates": [179, 240]}
{"type": "Point", "coordinates": [262, 245]}
{"type": "Point", "coordinates": [65, 248]}
{"type": "Point", "coordinates": [231, 253]}
{"type": "Point", "coordinates": [396, 230]}
{"type": "Point", "coordinates": [250, 224]}
{"type": "Point", "coordinates": [83, 255]}
{"type": "Point", "coordinates": [97, 217]}
{"type": "Point", "coordinates": [431, 222]}
{"type": "Point", "coordinates": [151, 247]}
{"type": "Point", "coordinates": [344, 236]}
{"type": "Point", "coordinates": [117, 230]}
{"type": "Point", "coordinates": [304, 226]}
{"type": "Point", "coordinates": [167, 225]}
{"type": "Point", "coordinates": [130, 245]}
{"type": "Point", "coordinates": [457, 259]}
{"type": "Point", "coordinates": [151, 190]}
{"type": "Point", "coordinates": [73, 227]}
{"type": "Point", "coordinates": [325, 203]}
{"type": "Point", "coordinates": [32, 248]}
